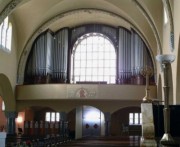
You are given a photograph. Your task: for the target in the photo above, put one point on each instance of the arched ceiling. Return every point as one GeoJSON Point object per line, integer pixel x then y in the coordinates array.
{"type": "Point", "coordinates": [31, 15]}
{"type": "Point", "coordinates": [34, 16]}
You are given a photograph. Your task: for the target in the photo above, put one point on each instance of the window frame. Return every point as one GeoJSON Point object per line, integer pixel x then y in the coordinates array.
{"type": "Point", "coordinates": [52, 117]}
{"type": "Point", "coordinates": [93, 60]}
{"type": "Point", "coordinates": [6, 35]}
{"type": "Point", "coordinates": [135, 118]}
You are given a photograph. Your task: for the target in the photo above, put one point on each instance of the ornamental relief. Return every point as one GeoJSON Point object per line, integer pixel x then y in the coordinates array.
{"type": "Point", "coordinates": [81, 93]}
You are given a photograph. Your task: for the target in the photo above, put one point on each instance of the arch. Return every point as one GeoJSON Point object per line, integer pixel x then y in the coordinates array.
{"type": "Point", "coordinates": [6, 93]}
{"type": "Point", "coordinates": [120, 117]}
{"type": "Point", "coordinates": [43, 27]}
{"type": "Point", "coordinates": [88, 120]}
{"type": "Point", "coordinates": [168, 8]}
{"type": "Point", "coordinates": [151, 23]}
{"type": "Point", "coordinates": [9, 8]}
{"type": "Point", "coordinates": [94, 64]}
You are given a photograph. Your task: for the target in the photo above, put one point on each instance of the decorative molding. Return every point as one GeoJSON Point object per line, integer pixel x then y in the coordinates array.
{"type": "Point", "coordinates": [151, 23]}
{"type": "Point", "coordinates": [8, 9]}
{"type": "Point", "coordinates": [82, 93]}
{"type": "Point", "coordinates": [45, 25]}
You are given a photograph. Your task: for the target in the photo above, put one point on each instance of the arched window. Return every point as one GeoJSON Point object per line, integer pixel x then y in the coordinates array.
{"type": "Point", "coordinates": [94, 59]}
{"type": "Point", "coordinates": [5, 34]}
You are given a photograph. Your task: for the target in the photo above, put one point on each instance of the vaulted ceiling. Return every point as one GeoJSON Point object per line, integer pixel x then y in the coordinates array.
{"type": "Point", "coordinates": [34, 16]}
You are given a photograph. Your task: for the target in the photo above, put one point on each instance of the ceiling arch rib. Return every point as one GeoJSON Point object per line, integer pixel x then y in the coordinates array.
{"type": "Point", "coordinates": [48, 23]}
{"type": "Point", "coordinates": [170, 16]}
{"type": "Point", "coordinates": [153, 26]}
{"type": "Point", "coordinates": [9, 8]}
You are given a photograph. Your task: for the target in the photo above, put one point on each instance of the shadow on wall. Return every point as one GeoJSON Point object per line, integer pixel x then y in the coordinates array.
{"type": "Point", "coordinates": [122, 117]}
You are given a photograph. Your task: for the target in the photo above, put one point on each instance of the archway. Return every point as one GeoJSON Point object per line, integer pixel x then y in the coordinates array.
{"type": "Point", "coordinates": [7, 94]}
{"type": "Point", "coordinates": [122, 117]}
{"type": "Point", "coordinates": [86, 121]}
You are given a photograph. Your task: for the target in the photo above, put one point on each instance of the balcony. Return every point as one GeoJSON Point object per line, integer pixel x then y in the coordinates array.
{"type": "Point", "coordinates": [82, 91]}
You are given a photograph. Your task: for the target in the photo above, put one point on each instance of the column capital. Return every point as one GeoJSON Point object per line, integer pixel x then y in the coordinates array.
{"type": "Point", "coordinates": [11, 114]}
{"type": "Point", "coordinates": [166, 58]}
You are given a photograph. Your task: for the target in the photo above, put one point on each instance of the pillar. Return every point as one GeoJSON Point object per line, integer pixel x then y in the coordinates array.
{"type": "Point", "coordinates": [11, 126]}
{"type": "Point", "coordinates": [165, 61]}
{"type": "Point", "coordinates": [107, 116]}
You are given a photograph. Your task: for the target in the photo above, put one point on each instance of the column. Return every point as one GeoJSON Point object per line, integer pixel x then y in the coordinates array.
{"type": "Point", "coordinates": [107, 116]}
{"type": "Point", "coordinates": [63, 118]}
{"type": "Point", "coordinates": [11, 126]}
{"type": "Point", "coordinates": [165, 61]}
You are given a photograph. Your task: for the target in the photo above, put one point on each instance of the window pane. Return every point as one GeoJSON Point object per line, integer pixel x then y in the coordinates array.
{"type": "Point", "coordinates": [130, 115]}
{"type": "Point", "coordinates": [88, 78]}
{"type": "Point", "coordinates": [101, 63]}
{"type": "Point", "coordinates": [47, 116]}
{"type": "Point", "coordinates": [95, 59]}
{"type": "Point", "coordinates": [82, 71]}
{"type": "Point", "coordinates": [77, 62]}
{"type": "Point", "coordinates": [57, 116]}
{"type": "Point", "coordinates": [140, 121]}
{"type": "Point", "coordinates": [83, 63]}
{"type": "Point", "coordinates": [136, 118]}
{"type": "Point", "coordinates": [82, 78]}
{"type": "Point", "coordinates": [89, 63]}
{"type": "Point", "coordinates": [77, 71]}
{"type": "Point", "coordinates": [88, 71]}
{"type": "Point", "coordinates": [136, 121]}
{"type": "Point", "coordinates": [130, 121]}
{"type": "Point", "coordinates": [53, 116]}
{"type": "Point", "coordinates": [5, 34]}
{"type": "Point", "coordinates": [112, 79]}
{"type": "Point", "coordinates": [131, 118]}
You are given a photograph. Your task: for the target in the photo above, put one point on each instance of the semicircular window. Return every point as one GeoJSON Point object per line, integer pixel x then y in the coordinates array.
{"type": "Point", "coordinates": [93, 59]}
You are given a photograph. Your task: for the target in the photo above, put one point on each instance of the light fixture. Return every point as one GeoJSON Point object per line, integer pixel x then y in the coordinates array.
{"type": "Point", "coordinates": [19, 119]}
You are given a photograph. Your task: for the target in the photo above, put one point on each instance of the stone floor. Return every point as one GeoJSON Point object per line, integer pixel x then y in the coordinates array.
{"type": "Point", "coordinates": [109, 141]}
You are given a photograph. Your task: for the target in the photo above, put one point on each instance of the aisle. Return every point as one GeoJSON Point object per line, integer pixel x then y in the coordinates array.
{"type": "Point", "coordinates": [123, 141]}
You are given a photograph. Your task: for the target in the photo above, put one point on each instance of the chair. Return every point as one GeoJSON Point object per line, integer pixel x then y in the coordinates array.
{"type": "Point", "coordinates": [20, 131]}
{"type": "Point", "coordinates": [125, 129]}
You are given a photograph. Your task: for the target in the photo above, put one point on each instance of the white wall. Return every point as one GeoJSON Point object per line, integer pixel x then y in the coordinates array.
{"type": "Point", "coordinates": [8, 60]}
